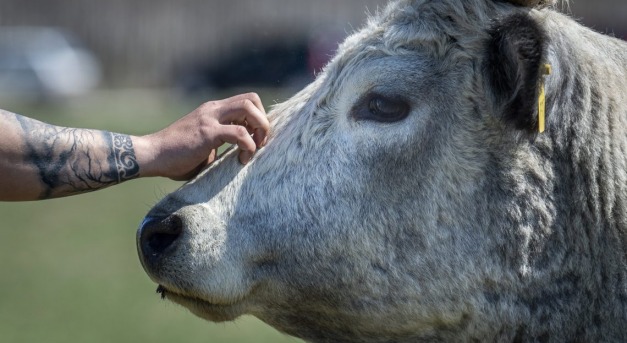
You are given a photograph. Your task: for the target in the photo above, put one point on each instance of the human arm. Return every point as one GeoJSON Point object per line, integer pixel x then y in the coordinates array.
{"type": "Point", "coordinates": [42, 161]}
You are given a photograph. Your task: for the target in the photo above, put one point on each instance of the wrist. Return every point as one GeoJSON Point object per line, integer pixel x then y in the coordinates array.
{"type": "Point", "coordinates": [146, 152]}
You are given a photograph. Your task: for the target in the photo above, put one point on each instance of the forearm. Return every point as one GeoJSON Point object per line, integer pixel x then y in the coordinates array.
{"type": "Point", "coordinates": [42, 161]}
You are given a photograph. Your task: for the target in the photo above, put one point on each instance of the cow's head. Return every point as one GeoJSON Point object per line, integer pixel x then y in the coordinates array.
{"type": "Point", "coordinates": [384, 206]}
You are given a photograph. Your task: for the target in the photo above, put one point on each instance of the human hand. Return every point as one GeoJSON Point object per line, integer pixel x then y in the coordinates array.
{"type": "Point", "coordinates": [182, 149]}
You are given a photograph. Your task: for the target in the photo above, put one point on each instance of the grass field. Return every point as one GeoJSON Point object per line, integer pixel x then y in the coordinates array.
{"type": "Point", "coordinates": [69, 267]}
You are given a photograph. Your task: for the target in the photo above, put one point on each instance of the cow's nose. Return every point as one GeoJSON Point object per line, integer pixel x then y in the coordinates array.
{"type": "Point", "coordinates": [156, 235]}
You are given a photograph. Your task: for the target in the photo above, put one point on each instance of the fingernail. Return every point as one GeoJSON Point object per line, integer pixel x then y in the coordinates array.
{"type": "Point", "coordinates": [260, 138]}
{"type": "Point", "coordinates": [245, 157]}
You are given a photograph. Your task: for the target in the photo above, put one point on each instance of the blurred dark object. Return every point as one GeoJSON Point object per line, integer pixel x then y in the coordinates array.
{"type": "Point", "coordinates": [43, 63]}
{"type": "Point", "coordinates": [275, 63]}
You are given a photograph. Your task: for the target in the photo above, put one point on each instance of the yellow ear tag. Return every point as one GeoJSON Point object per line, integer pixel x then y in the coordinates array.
{"type": "Point", "coordinates": [542, 100]}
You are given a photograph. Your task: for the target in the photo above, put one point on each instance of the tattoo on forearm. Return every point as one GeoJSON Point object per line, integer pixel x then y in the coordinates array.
{"type": "Point", "coordinates": [123, 157]}
{"type": "Point", "coordinates": [71, 161]}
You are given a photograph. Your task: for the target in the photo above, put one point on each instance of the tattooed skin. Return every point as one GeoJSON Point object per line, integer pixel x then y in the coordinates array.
{"type": "Point", "coordinates": [71, 161]}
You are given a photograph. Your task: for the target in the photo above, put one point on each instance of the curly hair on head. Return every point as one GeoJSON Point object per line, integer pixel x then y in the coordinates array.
{"type": "Point", "coordinates": [535, 3]}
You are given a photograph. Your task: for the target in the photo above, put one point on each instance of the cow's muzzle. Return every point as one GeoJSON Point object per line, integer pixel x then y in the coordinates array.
{"type": "Point", "coordinates": [156, 239]}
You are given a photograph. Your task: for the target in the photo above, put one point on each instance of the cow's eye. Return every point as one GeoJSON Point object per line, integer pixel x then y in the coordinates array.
{"type": "Point", "coordinates": [381, 108]}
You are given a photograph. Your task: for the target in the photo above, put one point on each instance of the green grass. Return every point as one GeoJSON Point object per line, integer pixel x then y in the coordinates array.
{"type": "Point", "coordinates": [69, 267]}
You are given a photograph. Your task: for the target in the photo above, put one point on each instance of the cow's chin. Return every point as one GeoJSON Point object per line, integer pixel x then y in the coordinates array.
{"type": "Point", "coordinates": [202, 308]}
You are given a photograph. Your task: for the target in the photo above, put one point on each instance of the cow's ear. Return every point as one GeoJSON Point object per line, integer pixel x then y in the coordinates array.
{"type": "Point", "coordinates": [513, 67]}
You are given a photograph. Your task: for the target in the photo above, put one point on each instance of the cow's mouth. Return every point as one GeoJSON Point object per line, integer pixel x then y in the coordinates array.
{"type": "Point", "coordinates": [202, 308]}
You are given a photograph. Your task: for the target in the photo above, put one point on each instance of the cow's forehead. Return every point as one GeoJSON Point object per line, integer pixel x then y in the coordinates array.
{"type": "Point", "coordinates": [434, 28]}
{"type": "Point", "coordinates": [437, 24]}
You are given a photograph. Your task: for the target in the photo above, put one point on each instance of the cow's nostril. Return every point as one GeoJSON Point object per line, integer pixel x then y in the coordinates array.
{"type": "Point", "coordinates": [159, 241]}
{"type": "Point", "coordinates": [158, 234]}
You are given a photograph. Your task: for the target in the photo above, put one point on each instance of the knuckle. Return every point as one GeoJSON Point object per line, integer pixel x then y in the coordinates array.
{"type": "Point", "coordinates": [241, 131]}
{"type": "Point", "coordinates": [208, 107]}
{"type": "Point", "coordinates": [251, 95]}
{"type": "Point", "coordinates": [254, 96]}
{"type": "Point", "coordinates": [209, 104]}
{"type": "Point", "coordinates": [248, 104]}
{"type": "Point", "coordinates": [249, 107]}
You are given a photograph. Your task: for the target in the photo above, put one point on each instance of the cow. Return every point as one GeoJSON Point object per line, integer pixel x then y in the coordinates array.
{"type": "Point", "coordinates": [456, 173]}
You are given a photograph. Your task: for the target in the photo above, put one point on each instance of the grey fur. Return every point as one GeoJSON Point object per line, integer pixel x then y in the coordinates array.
{"type": "Point", "coordinates": [449, 226]}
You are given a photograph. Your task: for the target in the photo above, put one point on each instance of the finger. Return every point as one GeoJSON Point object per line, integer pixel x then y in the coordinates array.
{"type": "Point", "coordinates": [245, 111]}
{"type": "Point", "coordinates": [236, 134]}
{"type": "Point", "coordinates": [245, 156]}
{"type": "Point", "coordinates": [253, 97]}
{"type": "Point", "coordinates": [259, 137]}
{"type": "Point", "coordinates": [211, 157]}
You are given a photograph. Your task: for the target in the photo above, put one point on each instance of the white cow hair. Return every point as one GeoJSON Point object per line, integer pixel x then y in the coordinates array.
{"type": "Point", "coordinates": [451, 225]}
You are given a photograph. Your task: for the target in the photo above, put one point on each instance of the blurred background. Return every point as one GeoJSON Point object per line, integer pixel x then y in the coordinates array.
{"type": "Point", "coordinates": [69, 267]}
